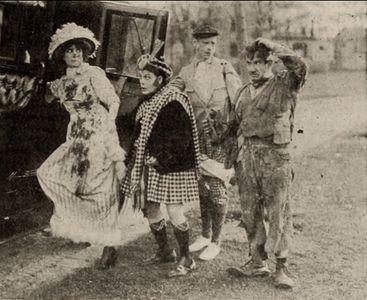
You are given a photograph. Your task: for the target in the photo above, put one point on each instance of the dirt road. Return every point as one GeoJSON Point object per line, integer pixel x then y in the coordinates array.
{"type": "Point", "coordinates": [328, 257]}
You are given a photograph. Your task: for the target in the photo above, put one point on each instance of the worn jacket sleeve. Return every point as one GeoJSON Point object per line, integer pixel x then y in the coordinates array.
{"type": "Point", "coordinates": [295, 65]}
{"type": "Point", "coordinates": [171, 141]}
{"type": "Point", "coordinates": [233, 81]}
{"type": "Point", "coordinates": [291, 82]}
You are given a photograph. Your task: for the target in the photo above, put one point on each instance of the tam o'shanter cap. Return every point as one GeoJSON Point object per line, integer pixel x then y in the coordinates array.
{"type": "Point", "coordinates": [72, 32]}
{"type": "Point", "coordinates": [155, 62]}
{"type": "Point", "coordinates": [205, 31]}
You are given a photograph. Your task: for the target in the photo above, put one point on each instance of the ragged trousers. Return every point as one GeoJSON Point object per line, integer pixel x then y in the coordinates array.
{"type": "Point", "coordinates": [264, 176]}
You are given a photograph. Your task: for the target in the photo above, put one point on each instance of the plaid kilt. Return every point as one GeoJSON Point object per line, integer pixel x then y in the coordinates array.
{"type": "Point", "coordinates": [175, 187]}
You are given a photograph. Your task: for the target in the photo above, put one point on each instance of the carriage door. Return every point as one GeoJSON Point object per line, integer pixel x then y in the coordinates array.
{"type": "Point", "coordinates": [23, 52]}
{"type": "Point", "coordinates": [129, 34]}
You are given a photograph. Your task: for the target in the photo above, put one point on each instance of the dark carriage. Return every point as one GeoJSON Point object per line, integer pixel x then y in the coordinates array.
{"type": "Point", "coordinates": [30, 129]}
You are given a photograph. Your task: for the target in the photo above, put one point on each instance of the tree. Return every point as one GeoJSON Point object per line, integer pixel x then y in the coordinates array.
{"type": "Point", "coordinates": [242, 39]}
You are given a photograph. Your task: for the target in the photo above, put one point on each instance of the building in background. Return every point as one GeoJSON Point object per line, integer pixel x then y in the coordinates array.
{"type": "Point", "coordinates": [318, 53]}
{"type": "Point", "coordinates": [308, 27]}
{"type": "Point", "coordinates": [351, 49]}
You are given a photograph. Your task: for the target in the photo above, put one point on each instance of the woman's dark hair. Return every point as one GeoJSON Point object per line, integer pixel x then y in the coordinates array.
{"type": "Point", "coordinates": [78, 44]}
{"type": "Point", "coordinates": [157, 72]}
{"type": "Point", "coordinates": [262, 51]}
{"type": "Point", "coordinates": [59, 62]}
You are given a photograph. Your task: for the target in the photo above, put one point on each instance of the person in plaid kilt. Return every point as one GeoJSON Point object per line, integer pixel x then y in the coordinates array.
{"type": "Point", "coordinates": [211, 84]}
{"type": "Point", "coordinates": [163, 167]}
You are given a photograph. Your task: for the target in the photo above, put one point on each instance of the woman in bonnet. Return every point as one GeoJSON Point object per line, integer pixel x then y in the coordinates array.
{"type": "Point", "coordinates": [82, 176]}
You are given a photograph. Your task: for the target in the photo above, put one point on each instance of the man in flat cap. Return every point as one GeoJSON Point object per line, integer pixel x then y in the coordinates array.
{"type": "Point", "coordinates": [211, 84]}
{"type": "Point", "coordinates": [264, 123]}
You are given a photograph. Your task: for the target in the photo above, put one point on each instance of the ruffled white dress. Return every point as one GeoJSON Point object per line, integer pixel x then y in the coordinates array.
{"type": "Point", "coordinates": [82, 176]}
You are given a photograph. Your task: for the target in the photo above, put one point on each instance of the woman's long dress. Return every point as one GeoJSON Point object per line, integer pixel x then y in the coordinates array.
{"type": "Point", "coordinates": [82, 176]}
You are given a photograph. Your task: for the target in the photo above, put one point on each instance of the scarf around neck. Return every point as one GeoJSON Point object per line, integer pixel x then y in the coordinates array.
{"type": "Point", "coordinates": [147, 119]}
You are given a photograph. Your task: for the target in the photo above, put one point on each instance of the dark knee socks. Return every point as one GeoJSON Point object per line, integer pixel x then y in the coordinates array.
{"type": "Point", "coordinates": [182, 234]}
{"type": "Point", "coordinates": [159, 231]}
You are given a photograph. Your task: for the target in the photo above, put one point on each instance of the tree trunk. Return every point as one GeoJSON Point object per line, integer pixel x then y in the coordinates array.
{"type": "Point", "coordinates": [242, 39]}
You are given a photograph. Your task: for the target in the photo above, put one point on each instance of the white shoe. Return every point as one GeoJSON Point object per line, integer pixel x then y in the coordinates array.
{"type": "Point", "coordinates": [199, 244]}
{"type": "Point", "coordinates": [210, 252]}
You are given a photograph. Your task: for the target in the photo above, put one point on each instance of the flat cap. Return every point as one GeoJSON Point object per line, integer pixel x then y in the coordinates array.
{"type": "Point", "coordinates": [205, 31]}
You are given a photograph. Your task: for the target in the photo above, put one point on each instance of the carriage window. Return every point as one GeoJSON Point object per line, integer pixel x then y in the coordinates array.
{"type": "Point", "coordinates": [129, 37]}
{"type": "Point", "coordinates": [9, 32]}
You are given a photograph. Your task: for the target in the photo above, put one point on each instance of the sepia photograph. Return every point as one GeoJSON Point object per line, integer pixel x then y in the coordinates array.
{"type": "Point", "coordinates": [163, 150]}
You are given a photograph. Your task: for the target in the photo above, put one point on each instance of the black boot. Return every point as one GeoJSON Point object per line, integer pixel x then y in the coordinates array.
{"type": "Point", "coordinates": [255, 267]}
{"type": "Point", "coordinates": [108, 259]}
{"type": "Point", "coordinates": [165, 253]}
{"type": "Point", "coordinates": [186, 264]}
